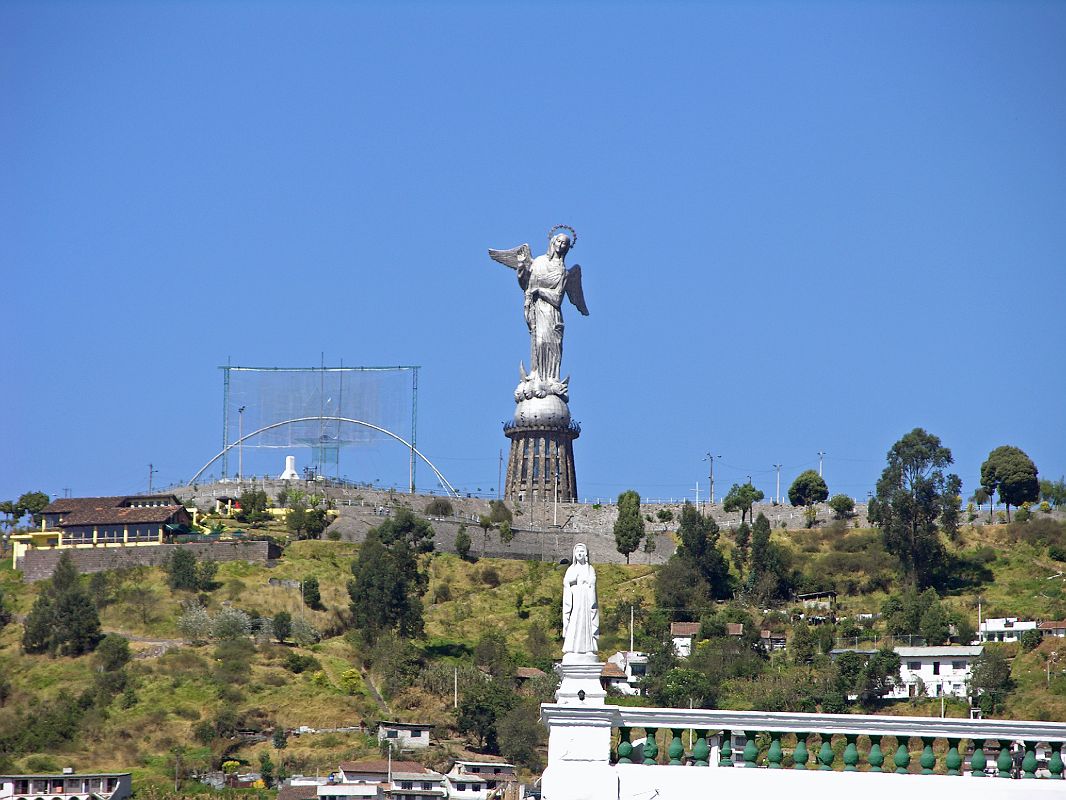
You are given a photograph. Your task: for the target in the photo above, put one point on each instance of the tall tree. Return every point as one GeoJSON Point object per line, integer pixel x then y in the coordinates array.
{"type": "Point", "coordinates": [699, 546]}
{"type": "Point", "coordinates": [389, 582]}
{"type": "Point", "coordinates": [910, 501]}
{"type": "Point", "coordinates": [770, 576]}
{"type": "Point", "coordinates": [629, 527]}
{"type": "Point", "coordinates": [1052, 491]}
{"type": "Point", "coordinates": [808, 488]}
{"type": "Point", "coordinates": [1012, 473]}
{"type": "Point", "coordinates": [63, 620]}
{"type": "Point", "coordinates": [31, 503]}
{"type": "Point", "coordinates": [741, 497]}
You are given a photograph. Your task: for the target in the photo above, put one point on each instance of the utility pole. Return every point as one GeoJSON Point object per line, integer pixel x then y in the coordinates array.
{"type": "Point", "coordinates": [710, 475]}
{"type": "Point", "coordinates": [631, 632]}
{"type": "Point", "coordinates": [777, 494]}
{"type": "Point", "coordinates": [821, 455]}
{"type": "Point", "coordinates": [151, 473]}
{"type": "Point", "coordinates": [499, 476]}
{"type": "Point", "coordinates": [240, 443]}
{"type": "Point", "coordinates": [697, 495]}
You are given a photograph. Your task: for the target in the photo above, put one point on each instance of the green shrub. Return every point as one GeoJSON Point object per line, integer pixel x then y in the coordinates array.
{"type": "Point", "coordinates": [1030, 640]}
{"type": "Point", "coordinates": [490, 577]}
{"type": "Point", "coordinates": [1056, 552]}
{"type": "Point", "coordinates": [297, 663]}
{"type": "Point", "coordinates": [438, 507]}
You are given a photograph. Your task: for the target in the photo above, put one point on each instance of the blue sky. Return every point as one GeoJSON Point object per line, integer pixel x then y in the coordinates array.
{"type": "Point", "coordinates": [802, 227]}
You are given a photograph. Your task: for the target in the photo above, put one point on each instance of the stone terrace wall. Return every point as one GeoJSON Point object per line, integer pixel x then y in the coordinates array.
{"type": "Point", "coordinates": [38, 564]}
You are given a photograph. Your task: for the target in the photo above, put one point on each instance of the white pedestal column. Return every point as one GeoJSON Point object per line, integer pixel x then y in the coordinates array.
{"type": "Point", "coordinates": [579, 742]}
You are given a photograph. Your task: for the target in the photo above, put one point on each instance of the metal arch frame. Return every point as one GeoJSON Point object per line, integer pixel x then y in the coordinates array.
{"type": "Point", "coordinates": [413, 449]}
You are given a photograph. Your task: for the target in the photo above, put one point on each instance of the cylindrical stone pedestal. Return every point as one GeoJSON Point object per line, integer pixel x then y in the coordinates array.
{"type": "Point", "coordinates": [541, 457]}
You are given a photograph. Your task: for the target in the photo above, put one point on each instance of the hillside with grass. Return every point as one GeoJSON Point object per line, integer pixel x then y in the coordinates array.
{"type": "Point", "coordinates": [191, 702]}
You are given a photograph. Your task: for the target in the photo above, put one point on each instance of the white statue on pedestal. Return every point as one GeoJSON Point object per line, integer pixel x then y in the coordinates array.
{"type": "Point", "coordinates": [581, 611]}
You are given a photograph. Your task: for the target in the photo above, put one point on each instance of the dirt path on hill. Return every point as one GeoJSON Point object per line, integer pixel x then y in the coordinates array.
{"type": "Point", "coordinates": [375, 693]}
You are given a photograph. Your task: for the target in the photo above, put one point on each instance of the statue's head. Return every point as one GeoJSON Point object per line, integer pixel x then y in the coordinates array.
{"type": "Point", "coordinates": [559, 243]}
{"type": "Point", "coordinates": [581, 553]}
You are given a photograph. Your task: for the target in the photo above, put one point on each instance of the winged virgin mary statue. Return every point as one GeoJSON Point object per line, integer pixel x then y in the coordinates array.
{"type": "Point", "coordinates": [545, 280]}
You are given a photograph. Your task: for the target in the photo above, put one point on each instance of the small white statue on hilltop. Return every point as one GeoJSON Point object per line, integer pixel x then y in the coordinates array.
{"type": "Point", "coordinates": [581, 611]}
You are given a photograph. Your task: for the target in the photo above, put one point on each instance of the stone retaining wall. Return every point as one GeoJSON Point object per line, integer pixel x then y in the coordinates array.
{"type": "Point", "coordinates": [39, 563]}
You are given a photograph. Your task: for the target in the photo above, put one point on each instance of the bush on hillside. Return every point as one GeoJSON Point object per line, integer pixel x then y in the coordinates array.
{"type": "Point", "coordinates": [438, 507]}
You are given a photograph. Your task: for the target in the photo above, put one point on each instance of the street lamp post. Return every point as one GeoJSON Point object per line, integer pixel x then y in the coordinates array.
{"type": "Point", "coordinates": [821, 454]}
{"type": "Point", "coordinates": [777, 494]}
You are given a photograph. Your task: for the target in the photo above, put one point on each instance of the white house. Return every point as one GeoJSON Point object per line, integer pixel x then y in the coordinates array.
{"type": "Point", "coordinates": [481, 780]}
{"type": "Point", "coordinates": [383, 778]}
{"type": "Point", "coordinates": [943, 671]}
{"type": "Point", "coordinates": [68, 785]}
{"type": "Point", "coordinates": [404, 734]}
{"type": "Point", "coordinates": [684, 635]}
{"type": "Point", "coordinates": [624, 671]}
{"type": "Point", "coordinates": [1003, 629]}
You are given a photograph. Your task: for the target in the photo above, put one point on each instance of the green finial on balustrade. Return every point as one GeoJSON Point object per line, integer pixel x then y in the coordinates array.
{"type": "Point", "coordinates": [928, 758]}
{"type": "Point", "coordinates": [978, 760]}
{"type": "Point", "coordinates": [800, 755]}
{"type": "Point", "coordinates": [902, 759]}
{"type": "Point", "coordinates": [676, 750]}
{"type": "Point", "coordinates": [876, 758]}
{"type": "Point", "coordinates": [775, 753]}
{"type": "Point", "coordinates": [1029, 761]}
{"type": "Point", "coordinates": [751, 750]}
{"type": "Point", "coordinates": [701, 751]}
{"type": "Point", "coordinates": [825, 752]}
{"type": "Point", "coordinates": [625, 747]}
{"type": "Point", "coordinates": [1004, 760]}
{"type": "Point", "coordinates": [1054, 764]}
{"type": "Point", "coordinates": [726, 757]}
{"type": "Point", "coordinates": [651, 749]}
{"type": "Point", "coordinates": [851, 753]}
{"type": "Point", "coordinates": [953, 760]}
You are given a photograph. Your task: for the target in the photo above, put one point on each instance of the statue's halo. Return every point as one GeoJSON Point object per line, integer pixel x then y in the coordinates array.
{"type": "Point", "coordinates": [573, 234]}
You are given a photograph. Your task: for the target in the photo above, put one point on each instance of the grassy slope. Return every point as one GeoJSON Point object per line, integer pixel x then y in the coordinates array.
{"type": "Point", "coordinates": [175, 691]}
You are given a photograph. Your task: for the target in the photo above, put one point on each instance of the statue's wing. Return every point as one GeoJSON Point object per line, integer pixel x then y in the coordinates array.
{"type": "Point", "coordinates": [573, 289]}
{"type": "Point", "coordinates": [514, 258]}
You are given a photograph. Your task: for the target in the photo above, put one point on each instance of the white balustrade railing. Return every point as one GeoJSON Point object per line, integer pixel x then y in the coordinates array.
{"type": "Point", "coordinates": [601, 751]}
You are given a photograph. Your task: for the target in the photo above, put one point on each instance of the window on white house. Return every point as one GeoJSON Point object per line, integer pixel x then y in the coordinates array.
{"type": "Point", "coordinates": [392, 734]}
{"type": "Point", "coordinates": [936, 667]}
{"type": "Point", "coordinates": [914, 666]}
{"type": "Point", "coordinates": [958, 665]}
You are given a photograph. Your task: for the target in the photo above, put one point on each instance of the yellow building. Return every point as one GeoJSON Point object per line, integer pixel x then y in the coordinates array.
{"type": "Point", "coordinates": [85, 522]}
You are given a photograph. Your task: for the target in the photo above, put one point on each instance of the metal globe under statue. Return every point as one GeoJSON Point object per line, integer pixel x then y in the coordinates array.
{"type": "Point", "coordinates": [541, 464]}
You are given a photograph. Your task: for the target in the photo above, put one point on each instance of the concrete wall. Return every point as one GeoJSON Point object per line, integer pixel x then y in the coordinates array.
{"type": "Point", "coordinates": [38, 564]}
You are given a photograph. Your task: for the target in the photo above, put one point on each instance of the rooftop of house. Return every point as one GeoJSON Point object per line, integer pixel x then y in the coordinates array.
{"type": "Point", "coordinates": [947, 651]}
{"type": "Point", "coordinates": [128, 515]}
{"type": "Point", "coordinates": [684, 628]}
{"type": "Point", "coordinates": [525, 673]}
{"type": "Point", "coordinates": [62, 775]}
{"type": "Point", "coordinates": [734, 628]}
{"type": "Point", "coordinates": [765, 634]}
{"type": "Point", "coordinates": [304, 791]}
{"type": "Point", "coordinates": [612, 670]}
{"type": "Point", "coordinates": [1049, 626]}
{"type": "Point", "coordinates": [408, 725]}
{"type": "Point", "coordinates": [65, 505]}
{"type": "Point", "coordinates": [815, 595]}
{"type": "Point", "coordinates": [380, 766]}
{"type": "Point", "coordinates": [485, 764]}
{"type": "Point", "coordinates": [1004, 622]}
